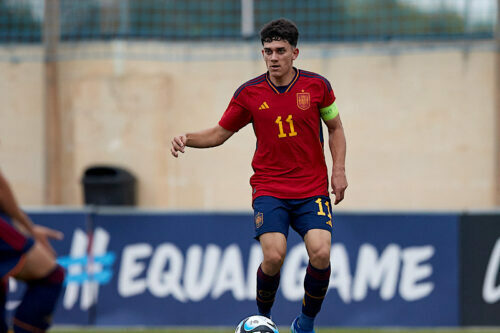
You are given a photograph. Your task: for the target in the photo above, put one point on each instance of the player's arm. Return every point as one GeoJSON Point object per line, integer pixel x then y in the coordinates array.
{"type": "Point", "coordinates": [210, 137]}
{"type": "Point", "coordinates": [21, 221]}
{"type": "Point", "coordinates": [337, 143]}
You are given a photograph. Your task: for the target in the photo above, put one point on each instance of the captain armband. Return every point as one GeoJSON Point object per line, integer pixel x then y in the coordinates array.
{"type": "Point", "coordinates": [329, 112]}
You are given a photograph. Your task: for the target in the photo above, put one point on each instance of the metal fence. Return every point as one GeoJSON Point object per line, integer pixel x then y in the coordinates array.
{"type": "Point", "coordinates": [22, 21]}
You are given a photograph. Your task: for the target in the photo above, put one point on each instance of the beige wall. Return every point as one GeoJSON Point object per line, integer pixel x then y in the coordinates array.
{"type": "Point", "coordinates": [419, 120]}
{"type": "Point", "coordinates": [21, 129]}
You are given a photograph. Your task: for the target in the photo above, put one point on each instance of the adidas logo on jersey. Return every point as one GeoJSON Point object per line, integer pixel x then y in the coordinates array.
{"type": "Point", "coordinates": [264, 106]}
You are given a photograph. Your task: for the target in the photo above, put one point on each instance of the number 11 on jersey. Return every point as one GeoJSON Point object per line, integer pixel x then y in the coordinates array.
{"type": "Point", "coordinates": [281, 133]}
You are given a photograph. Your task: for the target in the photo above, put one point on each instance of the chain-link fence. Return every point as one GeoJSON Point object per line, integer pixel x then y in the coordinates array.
{"type": "Point", "coordinates": [22, 21]}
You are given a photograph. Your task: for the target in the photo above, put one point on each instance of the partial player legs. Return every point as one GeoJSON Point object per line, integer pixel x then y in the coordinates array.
{"type": "Point", "coordinates": [44, 279]}
{"type": "Point", "coordinates": [268, 275]}
{"type": "Point", "coordinates": [34, 314]}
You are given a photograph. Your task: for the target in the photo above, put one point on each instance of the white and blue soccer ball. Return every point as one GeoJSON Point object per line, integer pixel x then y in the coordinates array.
{"type": "Point", "coordinates": [256, 324]}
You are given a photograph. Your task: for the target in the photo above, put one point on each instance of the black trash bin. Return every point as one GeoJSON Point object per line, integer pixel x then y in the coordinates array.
{"type": "Point", "coordinates": [108, 186]}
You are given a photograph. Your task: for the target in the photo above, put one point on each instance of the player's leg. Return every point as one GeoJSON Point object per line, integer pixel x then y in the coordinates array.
{"type": "Point", "coordinates": [44, 279]}
{"type": "Point", "coordinates": [274, 250]}
{"type": "Point", "coordinates": [313, 222]}
{"type": "Point", "coordinates": [271, 229]}
{"type": "Point", "coordinates": [268, 274]}
{"type": "Point", "coordinates": [318, 244]}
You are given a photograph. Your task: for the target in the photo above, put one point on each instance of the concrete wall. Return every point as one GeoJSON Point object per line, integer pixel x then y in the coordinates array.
{"type": "Point", "coordinates": [419, 120]}
{"type": "Point", "coordinates": [22, 129]}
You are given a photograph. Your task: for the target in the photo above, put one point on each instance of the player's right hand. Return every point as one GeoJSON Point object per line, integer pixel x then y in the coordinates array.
{"type": "Point", "coordinates": [178, 145]}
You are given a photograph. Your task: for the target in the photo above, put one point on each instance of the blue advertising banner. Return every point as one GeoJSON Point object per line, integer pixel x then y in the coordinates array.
{"type": "Point", "coordinates": [163, 269]}
{"type": "Point", "coordinates": [178, 269]}
{"type": "Point", "coordinates": [394, 270]}
{"type": "Point", "coordinates": [387, 270]}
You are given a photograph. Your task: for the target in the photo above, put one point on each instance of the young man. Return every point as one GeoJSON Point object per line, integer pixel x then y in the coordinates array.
{"type": "Point", "coordinates": [290, 183]}
{"type": "Point", "coordinates": [30, 261]}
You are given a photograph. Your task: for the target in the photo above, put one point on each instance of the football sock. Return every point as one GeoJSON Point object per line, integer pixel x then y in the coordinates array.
{"type": "Point", "coordinates": [315, 287]}
{"type": "Point", "coordinates": [34, 314]}
{"type": "Point", "coordinates": [266, 291]}
{"type": "Point", "coordinates": [4, 288]}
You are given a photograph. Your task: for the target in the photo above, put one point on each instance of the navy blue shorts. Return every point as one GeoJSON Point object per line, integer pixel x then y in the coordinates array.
{"type": "Point", "coordinates": [13, 247]}
{"type": "Point", "coordinates": [277, 215]}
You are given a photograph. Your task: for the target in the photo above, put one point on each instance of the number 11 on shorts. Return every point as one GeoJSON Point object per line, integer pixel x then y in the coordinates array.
{"type": "Point", "coordinates": [321, 212]}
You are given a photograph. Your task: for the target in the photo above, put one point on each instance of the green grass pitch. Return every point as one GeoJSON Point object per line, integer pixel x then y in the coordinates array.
{"type": "Point", "coordinates": [282, 330]}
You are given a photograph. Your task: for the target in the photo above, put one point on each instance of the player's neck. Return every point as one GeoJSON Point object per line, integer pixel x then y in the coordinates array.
{"type": "Point", "coordinates": [283, 80]}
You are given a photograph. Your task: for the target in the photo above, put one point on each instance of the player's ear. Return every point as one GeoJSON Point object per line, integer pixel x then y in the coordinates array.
{"type": "Point", "coordinates": [295, 53]}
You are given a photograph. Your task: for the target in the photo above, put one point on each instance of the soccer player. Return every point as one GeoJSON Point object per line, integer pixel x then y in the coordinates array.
{"type": "Point", "coordinates": [28, 260]}
{"type": "Point", "coordinates": [290, 184]}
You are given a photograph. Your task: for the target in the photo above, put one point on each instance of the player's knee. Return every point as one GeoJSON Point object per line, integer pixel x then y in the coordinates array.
{"type": "Point", "coordinates": [320, 257]}
{"type": "Point", "coordinates": [273, 260]}
{"type": "Point", "coordinates": [54, 278]}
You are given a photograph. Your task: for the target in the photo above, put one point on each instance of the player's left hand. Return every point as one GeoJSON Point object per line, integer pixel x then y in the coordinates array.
{"type": "Point", "coordinates": [43, 234]}
{"type": "Point", "coordinates": [339, 184]}
{"type": "Point", "coordinates": [178, 145]}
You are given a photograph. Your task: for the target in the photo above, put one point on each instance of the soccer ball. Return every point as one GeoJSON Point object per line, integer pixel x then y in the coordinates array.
{"type": "Point", "coordinates": [256, 324]}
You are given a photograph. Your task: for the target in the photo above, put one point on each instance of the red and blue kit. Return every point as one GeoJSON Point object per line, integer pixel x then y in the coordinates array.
{"type": "Point", "coordinates": [289, 161]}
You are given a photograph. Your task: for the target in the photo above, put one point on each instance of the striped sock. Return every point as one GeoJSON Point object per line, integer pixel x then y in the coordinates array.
{"type": "Point", "coordinates": [266, 291]}
{"type": "Point", "coordinates": [39, 301]}
{"type": "Point", "coordinates": [315, 287]}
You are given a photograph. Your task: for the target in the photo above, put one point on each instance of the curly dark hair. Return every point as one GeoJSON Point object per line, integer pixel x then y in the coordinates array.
{"type": "Point", "coordinates": [280, 29]}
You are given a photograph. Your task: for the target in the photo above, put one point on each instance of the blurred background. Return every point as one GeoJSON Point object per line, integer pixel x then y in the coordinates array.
{"type": "Point", "coordinates": [110, 82]}
{"type": "Point", "coordinates": [92, 92]}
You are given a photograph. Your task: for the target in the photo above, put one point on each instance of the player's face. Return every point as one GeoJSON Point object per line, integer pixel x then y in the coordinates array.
{"type": "Point", "coordinates": [279, 56]}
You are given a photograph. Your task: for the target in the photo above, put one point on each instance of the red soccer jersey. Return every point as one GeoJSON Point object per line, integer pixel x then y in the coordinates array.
{"type": "Point", "coordinates": [289, 162]}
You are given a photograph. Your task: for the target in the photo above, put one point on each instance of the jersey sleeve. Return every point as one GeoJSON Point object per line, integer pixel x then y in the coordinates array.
{"type": "Point", "coordinates": [328, 94]}
{"type": "Point", "coordinates": [235, 117]}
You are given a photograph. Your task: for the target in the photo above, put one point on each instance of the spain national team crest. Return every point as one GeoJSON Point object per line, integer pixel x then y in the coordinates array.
{"type": "Point", "coordinates": [303, 100]}
{"type": "Point", "coordinates": [259, 220]}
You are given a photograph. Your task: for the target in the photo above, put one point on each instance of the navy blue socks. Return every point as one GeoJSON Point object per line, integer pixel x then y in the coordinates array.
{"type": "Point", "coordinates": [34, 314]}
{"type": "Point", "coordinates": [266, 291]}
{"type": "Point", "coordinates": [315, 287]}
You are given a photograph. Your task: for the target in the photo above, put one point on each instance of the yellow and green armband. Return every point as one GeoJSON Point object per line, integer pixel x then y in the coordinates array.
{"type": "Point", "coordinates": [329, 112]}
